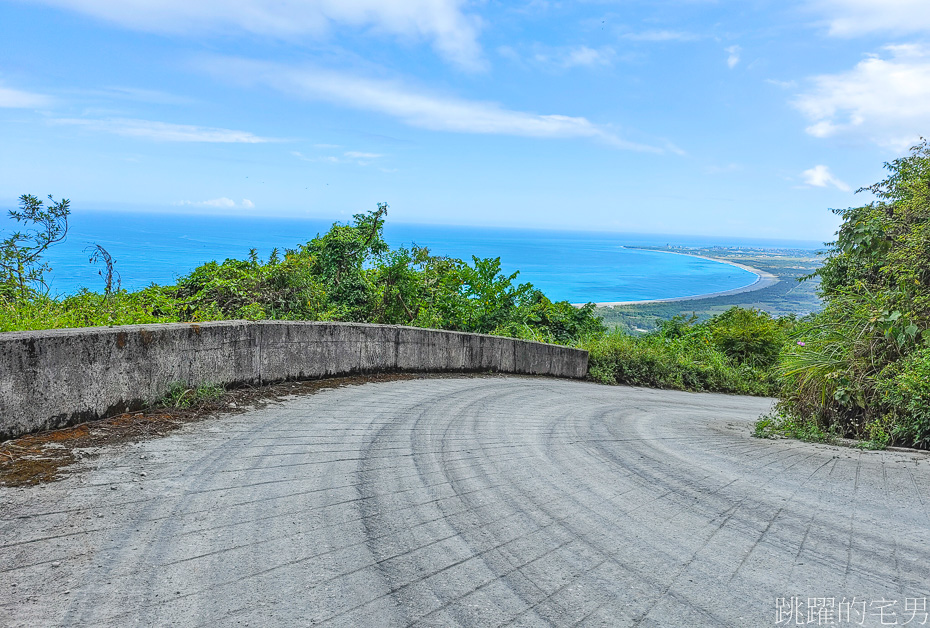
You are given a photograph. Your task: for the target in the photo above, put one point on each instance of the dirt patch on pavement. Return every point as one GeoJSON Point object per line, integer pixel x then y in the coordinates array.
{"type": "Point", "coordinates": [45, 456]}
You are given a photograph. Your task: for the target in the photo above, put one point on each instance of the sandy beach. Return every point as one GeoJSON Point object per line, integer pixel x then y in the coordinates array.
{"type": "Point", "coordinates": [763, 280]}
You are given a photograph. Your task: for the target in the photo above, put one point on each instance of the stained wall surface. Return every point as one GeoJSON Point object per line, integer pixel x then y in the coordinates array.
{"type": "Point", "coordinates": [53, 378]}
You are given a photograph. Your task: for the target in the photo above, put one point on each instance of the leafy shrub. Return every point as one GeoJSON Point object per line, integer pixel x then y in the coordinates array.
{"type": "Point", "coordinates": [250, 289]}
{"type": "Point", "coordinates": [681, 355]}
{"type": "Point", "coordinates": [749, 336]}
{"type": "Point", "coordinates": [905, 392]}
{"type": "Point", "coordinates": [857, 365]}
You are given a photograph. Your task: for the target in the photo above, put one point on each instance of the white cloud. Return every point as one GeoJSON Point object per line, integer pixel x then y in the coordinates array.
{"type": "Point", "coordinates": [782, 84]}
{"type": "Point", "coordinates": [349, 156]}
{"type": "Point", "coordinates": [660, 35]}
{"type": "Point", "coordinates": [452, 32]}
{"type": "Point", "coordinates": [165, 131]}
{"type": "Point", "coordinates": [415, 107]}
{"type": "Point", "coordinates": [849, 18]}
{"type": "Point", "coordinates": [733, 58]}
{"type": "Point", "coordinates": [151, 96]}
{"type": "Point", "coordinates": [576, 56]}
{"type": "Point", "coordinates": [562, 57]}
{"type": "Point", "coordinates": [883, 100]}
{"type": "Point", "coordinates": [18, 99]}
{"type": "Point", "coordinates": [509, 53]}
{"type": "Point", "coordinates": [821, 177]}
{"type": "Point", "coordinates": [725, 169]}
{"type": "Point", "coordinates": [219, 203]}
{"type": "Point", "coordinates": [584, 56]}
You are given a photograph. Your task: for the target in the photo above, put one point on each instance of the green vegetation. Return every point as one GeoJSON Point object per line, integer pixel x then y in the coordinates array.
{"type": "Point", "coordinates": [347, 274]}
{"type": "Point", "coordinates": [861, 367]}
{"type": "Point", "coordinates": [778, 424]}
{"type": "Point", "coordinates": [734, 352]}
{"type": "Point", "coordinates": [21, 266]}
{"type": "Point", "coordinates": [181, 396]}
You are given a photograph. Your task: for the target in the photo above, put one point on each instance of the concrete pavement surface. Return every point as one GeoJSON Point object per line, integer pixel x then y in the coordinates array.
{"type": "Point", "coordinates": [474, 502]}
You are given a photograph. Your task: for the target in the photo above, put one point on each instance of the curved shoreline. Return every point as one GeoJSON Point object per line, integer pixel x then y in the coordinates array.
{"type": "Point", "coordinates": [764, 279]}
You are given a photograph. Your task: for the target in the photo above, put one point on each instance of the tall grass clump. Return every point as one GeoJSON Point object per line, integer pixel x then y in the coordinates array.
{"type": "Point", "coordinates": [180, 396]}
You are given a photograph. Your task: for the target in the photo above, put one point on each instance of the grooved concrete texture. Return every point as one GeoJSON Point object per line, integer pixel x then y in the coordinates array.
{"type": "Point", "coordinates": [54, 378]}
{"type": "Point", "coordinates": [498, 501]}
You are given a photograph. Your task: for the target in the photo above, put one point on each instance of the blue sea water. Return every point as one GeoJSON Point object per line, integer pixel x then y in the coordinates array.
{"type": "Point", "coordinates": [573, 265]}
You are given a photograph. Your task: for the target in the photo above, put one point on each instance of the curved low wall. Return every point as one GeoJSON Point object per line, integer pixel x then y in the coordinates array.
{"type": "Point", "coordinates": [58, 377]}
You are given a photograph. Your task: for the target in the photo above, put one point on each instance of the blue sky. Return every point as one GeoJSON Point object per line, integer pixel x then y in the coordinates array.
{"type": "Point", "coordinates": [746, 118]}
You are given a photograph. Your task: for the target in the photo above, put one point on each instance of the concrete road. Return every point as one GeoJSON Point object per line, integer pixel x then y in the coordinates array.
{"type": "Point", "coordinates": [474, 502]}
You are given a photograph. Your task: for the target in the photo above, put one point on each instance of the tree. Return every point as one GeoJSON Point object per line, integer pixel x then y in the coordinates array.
{"type": "Point", "coordinates": [341, 258]}
{"type": "Point", "coordinates": [21, 253]}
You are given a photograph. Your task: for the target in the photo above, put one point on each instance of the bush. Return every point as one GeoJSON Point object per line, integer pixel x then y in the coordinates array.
{"type": "Point", "coordinates": [682, 356]}
{"type": "Point", "coordinates": [905, 393]}
{"type": "Point", "coordinates": [860, 366]}
{"type": "Point", "coordinates": [250, 289]}
{"type": "Point", "coordinates": [749, 336]}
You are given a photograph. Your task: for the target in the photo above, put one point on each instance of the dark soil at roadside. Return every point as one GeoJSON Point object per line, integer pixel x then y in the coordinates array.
{"type": "Point", "coordinates": [45, 456]}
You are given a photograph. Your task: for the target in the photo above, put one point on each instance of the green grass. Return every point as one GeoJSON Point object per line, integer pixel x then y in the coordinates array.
{"type": "Point", "coordinates": [779, 424]}
{"type": "Point", "coordinates": [89, 309]}
{"type": "Point", "coordinates": [181, 396]}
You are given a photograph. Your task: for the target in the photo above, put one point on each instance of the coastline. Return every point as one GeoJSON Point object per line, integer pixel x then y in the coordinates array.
{"type": "Point", "coordinates": [764, 279]}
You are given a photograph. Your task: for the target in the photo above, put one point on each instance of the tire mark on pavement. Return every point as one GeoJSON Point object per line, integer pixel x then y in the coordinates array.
{"type": "Point", "coordinates": [472, 502]}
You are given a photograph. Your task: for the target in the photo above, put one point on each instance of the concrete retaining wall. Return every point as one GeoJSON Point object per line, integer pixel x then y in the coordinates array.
{"type": "Point", "coordinates": [54, 378]}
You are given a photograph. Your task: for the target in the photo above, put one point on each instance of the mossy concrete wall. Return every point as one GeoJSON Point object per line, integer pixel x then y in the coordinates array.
{"type": "Point", "coordinates": [54, 378]}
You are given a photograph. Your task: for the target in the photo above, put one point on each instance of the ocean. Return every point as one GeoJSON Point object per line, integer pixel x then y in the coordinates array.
{"type": "Point", "coordinates": [576, 266]}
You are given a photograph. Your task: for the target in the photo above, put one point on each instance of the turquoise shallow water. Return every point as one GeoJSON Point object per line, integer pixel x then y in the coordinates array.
{"type": "Point", "coordinates": [572, 265]}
